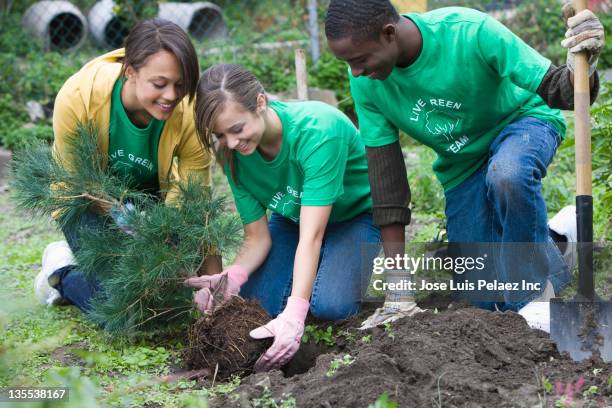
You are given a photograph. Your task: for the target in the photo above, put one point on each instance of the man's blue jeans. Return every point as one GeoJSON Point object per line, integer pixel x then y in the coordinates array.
{"type": "Point", "coordinates": [74, 286]}
{"type": "Point", "coordinates": [345, 267]}
{"type": "Point", "coordinates": [501, 207]}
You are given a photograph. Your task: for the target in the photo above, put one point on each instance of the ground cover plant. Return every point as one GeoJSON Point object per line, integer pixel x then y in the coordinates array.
{"type": "Point", "coordinates": [443, 358]}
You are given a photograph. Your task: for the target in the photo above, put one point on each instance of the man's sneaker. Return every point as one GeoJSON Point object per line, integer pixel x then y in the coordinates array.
{"type": "Point", "coordinates": [537, 312]}
{"type": "Point", "coordinates": [56, 256]}
{"type": "Point", "coordinates": [564, 223]}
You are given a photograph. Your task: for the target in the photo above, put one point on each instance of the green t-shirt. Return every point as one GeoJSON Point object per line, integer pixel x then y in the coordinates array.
{"type": "Point", "coordinates": [472, 78]}
{"type": "Point", "coordinates": [132, 151]}
{"type": "Point", "coordinates": [321, 162]}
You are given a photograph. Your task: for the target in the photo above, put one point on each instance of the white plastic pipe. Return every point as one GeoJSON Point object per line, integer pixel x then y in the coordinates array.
{"type": "Point", "coordinates": [201, 20]}
{"type": "Point", "coordinates": [107, 30]}
{"type": "Point", "coordinates": [59, 24]}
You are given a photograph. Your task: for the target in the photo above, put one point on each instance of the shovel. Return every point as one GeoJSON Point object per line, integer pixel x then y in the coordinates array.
{"type": "Point", "coordinates": [583, 325]}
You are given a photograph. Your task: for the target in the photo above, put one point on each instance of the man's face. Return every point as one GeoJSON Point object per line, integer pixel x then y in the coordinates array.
{"type": "Point", "coordinates": [368, 57]}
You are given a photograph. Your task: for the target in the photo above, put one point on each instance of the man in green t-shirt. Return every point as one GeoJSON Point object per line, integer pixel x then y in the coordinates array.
{"type": "Point", "coordinates": [461, 83]}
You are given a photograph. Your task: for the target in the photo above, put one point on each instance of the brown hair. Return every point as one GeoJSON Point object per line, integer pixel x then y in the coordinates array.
{"type": "Point", "coordinates": [151, 36]}
{"type": "Point", "coordinates": [219, 84]}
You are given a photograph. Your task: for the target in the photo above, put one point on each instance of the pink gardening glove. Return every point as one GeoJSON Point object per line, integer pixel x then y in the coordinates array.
{"type": "Point", "coordinates": [287, 330]}
{"type": "Point", "coordinates": [233, 278]}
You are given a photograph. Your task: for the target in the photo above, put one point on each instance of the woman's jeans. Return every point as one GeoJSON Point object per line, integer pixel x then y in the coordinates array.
{"type": "Point", "coordinates": [501, 208]}
{"type": "Point", "coordinates": [74, 286]}
{"type": "Point", "coordinates": [345, 267]}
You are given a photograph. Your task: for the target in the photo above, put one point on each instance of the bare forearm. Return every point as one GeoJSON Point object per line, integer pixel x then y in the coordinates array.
{"type": "Point", "coordinates": [305, 267]}
{"type": "Point", "coordinates": [313, 221]}
{"type": "Point", "coordinates": [256, 245]}
{"type": "Point", "coordinates": [252, 253]}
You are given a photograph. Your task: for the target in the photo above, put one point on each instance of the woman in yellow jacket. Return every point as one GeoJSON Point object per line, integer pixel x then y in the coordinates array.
{"type": "Point", "coordinates": [140, 100]}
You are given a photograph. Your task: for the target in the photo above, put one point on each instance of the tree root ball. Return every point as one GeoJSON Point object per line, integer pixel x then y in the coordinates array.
{"type": "Point", "coordinates": [222, 338]}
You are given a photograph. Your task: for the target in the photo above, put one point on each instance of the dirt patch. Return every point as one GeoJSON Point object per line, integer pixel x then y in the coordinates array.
{"type": "Point", "coordinates": [222, 339]}
{"type": "Point", "coordinates": [66, 354]}
{"type": "Point", "coordinates": [463, 357]}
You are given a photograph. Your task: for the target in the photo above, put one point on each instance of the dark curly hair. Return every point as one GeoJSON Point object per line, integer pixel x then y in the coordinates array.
{"type": "Point", "coordinates": [358, 19]}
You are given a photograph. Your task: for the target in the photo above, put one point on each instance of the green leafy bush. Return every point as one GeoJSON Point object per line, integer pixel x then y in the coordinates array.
{"type": "Point", "coordinates": [331, 73]}
{"type": "Point", "coordinates": [605, 59]}
{"type": "Point", "coordinates": [9, 74]}
{"type": "Point", "coordinates": [36, 81]}
{"type": "Point", "coordinates": [540, 24]}
{"type": "Point", "coordinates": [274, 69]}
{"type": "Point", "coordinates": [251, 21]}
{"type": "Point", "coordinates": [12, 115]}
{"type": "Point", "coordinates": [130, 12]}
{"type": "Point", "coordinates": [26, 136]}
{"type": "Point", "coordinates": [601, 139]}
{"type": "Point", "coordinates": [13, 38]}
{"type": "Point", "coordinates": [427, 195]}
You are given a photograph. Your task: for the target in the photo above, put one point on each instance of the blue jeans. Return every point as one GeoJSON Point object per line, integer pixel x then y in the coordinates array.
{"type": "Point", "coordinates": [345, 266]}
{"type": "Point", "coordinates": [501, 206]}
{"type": "Point", "coordinates": [75, 287]}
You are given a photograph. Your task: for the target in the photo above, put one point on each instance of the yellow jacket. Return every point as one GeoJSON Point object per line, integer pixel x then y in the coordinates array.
{"type": "Point", "coordinates": [86, 96]}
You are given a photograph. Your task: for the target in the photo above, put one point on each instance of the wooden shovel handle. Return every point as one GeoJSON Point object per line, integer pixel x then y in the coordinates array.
{"type": "Point", "coordinates": [583, 121]}
{"type": "Point", "coordinates": [584, 197]}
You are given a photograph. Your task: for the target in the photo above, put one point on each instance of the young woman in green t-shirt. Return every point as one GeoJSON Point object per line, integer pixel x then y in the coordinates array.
{"type": "Point", "coordinates": [305, 162]}
{"type": "Point", "coordinates": [139, 99]}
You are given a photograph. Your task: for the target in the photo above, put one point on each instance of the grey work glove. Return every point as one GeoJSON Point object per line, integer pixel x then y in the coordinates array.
{"type": "Point", "coordinates": [584, 33]}
{"type": "Point", "coordinates": [390, 312]}
{"type": "Point", "coordinates": [398, 303]}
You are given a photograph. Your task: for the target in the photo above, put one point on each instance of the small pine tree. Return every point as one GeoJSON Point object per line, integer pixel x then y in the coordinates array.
{"type": "Point", "coordinates": [68, 186]}
{"type": "Point", "coordinates": [141, 272]}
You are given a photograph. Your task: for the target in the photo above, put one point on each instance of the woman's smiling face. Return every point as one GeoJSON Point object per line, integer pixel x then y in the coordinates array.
{"type": "Point", "coordinates": [238, 128]}
{"type": "Point", "coordinates": [157, 84]}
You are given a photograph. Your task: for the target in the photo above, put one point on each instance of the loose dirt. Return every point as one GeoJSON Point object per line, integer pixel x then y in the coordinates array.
{"type": "Point", "coordinates": [461, 357]}
{"type": "Point", "coordinates": [220, 341]}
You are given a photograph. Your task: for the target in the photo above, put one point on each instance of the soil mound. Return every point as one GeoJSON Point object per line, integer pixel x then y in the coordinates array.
{"type": "Point", "coordinates": [222, 338]}
{"type": "Point", "coordinates": [458, 358]}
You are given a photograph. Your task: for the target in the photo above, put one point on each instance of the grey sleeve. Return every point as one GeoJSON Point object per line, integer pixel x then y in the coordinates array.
{"type": "Point", "coordinates": [389, 185]}
{"type": "Point", "coordinates": [557, 90]}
